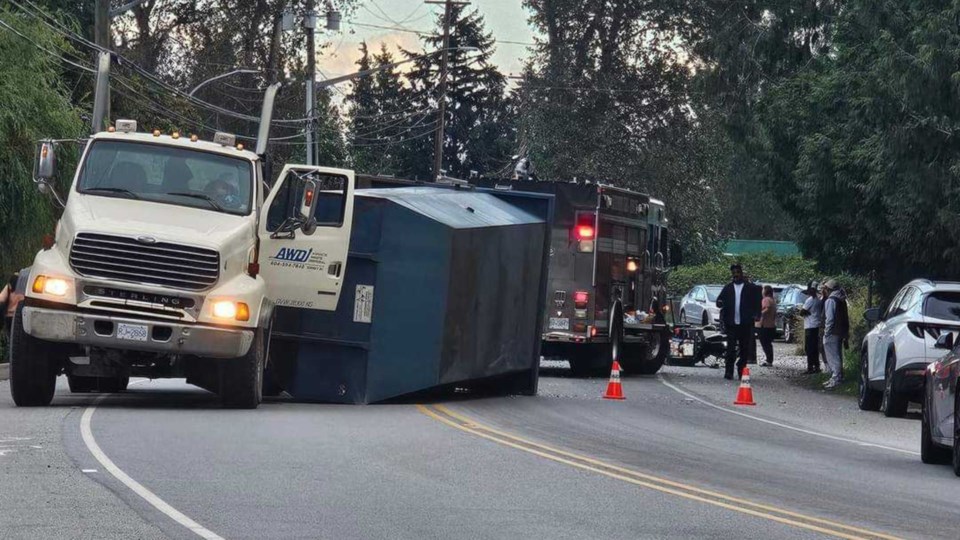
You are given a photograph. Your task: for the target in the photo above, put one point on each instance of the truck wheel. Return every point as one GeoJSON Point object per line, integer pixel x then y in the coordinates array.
{"type": "Point", "coordinates": [654, 354]}
{"type": "Point", "coordinates": [242, 378]}
{"type": "Point", "coordinates": [893, 405]}
{"type": "Point", "coordinates": [33, 367]}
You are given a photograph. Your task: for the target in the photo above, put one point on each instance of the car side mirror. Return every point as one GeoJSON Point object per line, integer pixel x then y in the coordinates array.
{"type": "Point", "coordinates": [945, 341]}
{"type": "Point", "coordinates": [872, 315]}
{"type": "Point", "coordinates": [46, 168]}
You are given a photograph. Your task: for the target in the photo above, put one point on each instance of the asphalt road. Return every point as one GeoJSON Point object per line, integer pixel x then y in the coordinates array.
{"type": "Point", "coordinates": [564, 464]}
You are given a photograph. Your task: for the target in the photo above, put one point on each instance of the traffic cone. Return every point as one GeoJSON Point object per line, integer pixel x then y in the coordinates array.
{"type": "Point", "coordinates": [614, 389]}
{"type": "Point", "coordinates": [745, 393]}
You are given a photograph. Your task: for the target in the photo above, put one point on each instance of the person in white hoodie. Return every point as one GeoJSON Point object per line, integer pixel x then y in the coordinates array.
{"type": "Point", "coordinates": [836, 331]}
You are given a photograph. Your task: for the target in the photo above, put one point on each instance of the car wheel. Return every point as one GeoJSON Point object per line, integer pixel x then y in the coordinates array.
{"type": "Point", "coordinates": [705, 320]}
{"type": "Point", "coordinates": [683, 317]}
{"type": "Point", "coordinates": [893, 405]}
{"type": "Point", "coordinates": [930, 452]}
{"type": "Point", "coordinates": [867, 398]}
{"type": "Point", "coordinates": [956, 436]}
{"type": "Point", "coordinates": [787, 331]}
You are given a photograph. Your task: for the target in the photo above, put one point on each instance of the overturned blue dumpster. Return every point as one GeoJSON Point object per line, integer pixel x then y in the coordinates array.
{"type": "Point", "coordinates": [443, 287]}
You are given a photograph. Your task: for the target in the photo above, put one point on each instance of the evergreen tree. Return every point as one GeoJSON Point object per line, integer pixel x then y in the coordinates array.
{"type": "Point", "coordinates": [478, 131]}
{"type": "Point", "coordinates": [376, 115]}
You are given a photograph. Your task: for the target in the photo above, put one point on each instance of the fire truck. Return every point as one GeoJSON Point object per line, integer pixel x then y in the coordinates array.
{"type": "Point", "coordinates": [607, 277]}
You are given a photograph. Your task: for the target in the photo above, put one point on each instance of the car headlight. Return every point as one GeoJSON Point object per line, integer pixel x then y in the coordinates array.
{"type": "Point", "coordinates": [50, 285]}
{"type": "Point", "coordinates": [227, 309]}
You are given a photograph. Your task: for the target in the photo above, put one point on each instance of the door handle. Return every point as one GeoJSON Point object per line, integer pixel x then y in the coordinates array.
{"type": "Point", "coordinates": [335, 268]}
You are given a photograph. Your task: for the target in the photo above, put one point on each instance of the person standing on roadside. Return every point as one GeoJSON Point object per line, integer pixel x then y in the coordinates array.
{"type": "Point", "coordinates": [739, 304]}
{"type": "Point", "coordinates": [767, 325]}
{"type": "Point", "coordinates": [812, 313]}
{"type": "Point", "coordinates": [836, 331]}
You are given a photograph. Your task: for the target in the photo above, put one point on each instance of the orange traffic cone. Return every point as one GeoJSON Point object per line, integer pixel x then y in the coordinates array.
{"type": "Point", "coordinates": [745, 393]}
{"type": "Point", "coordinates": [614, 389]}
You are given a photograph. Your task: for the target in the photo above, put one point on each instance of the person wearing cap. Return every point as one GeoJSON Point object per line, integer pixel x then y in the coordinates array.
{"type": "Point", "coordinates": [739, 304]}
{"type": "Point", "coordinates": [836, 331]}
{"type": "Point", "coordinates": [812, 313]}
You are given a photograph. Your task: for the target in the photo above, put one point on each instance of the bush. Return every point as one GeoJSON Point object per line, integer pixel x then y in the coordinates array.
{"type": "Point", "coordinates": [766, 267]}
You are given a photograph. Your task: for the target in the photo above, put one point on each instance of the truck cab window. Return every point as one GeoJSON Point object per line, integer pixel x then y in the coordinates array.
{"type": "Point", "coordinates": [328, 202]}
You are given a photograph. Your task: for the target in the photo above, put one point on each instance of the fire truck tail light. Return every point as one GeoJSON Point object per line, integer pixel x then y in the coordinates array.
{"type": "Point", "coordinates": [584, 232]}
{"type": "Point", "coordinates": [580, 299]}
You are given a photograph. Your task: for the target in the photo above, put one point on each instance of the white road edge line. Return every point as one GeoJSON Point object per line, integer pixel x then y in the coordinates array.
{"type": "Point", "coordinates": [778, 424]}
{"type": "Point", "coordinates": [132, 484]}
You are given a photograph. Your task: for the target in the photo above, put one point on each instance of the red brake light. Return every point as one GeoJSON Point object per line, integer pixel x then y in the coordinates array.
{"type": "Point", "coordinates": [584, 232]}
{"type": "Point", "coordinates": [308, 198]}
{"type": "Point", "coordinates": [580, 299]}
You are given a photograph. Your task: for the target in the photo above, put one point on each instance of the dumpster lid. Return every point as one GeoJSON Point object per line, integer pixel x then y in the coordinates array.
{"type": "Point", "coordinates": [456, 209]}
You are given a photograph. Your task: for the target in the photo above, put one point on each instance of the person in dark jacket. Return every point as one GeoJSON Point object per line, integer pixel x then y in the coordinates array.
{"type": "Point", "coordinates": [739, 304]}
{"type": "Point", "coordinates": [836, 331]}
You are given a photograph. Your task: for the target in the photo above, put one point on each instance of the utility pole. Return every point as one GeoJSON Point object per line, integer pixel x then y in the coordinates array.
{"type": "Point", "coordinates": [442, 112]}
{"type": "Point", "coordinates": [101, 36]}
{"type": "Point", "coordinates": [310, 25]}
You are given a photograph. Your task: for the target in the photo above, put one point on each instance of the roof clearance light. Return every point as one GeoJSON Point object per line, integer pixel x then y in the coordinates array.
{"type": "Point", "coordinates": [111, 129]}
{"type": "Point", "coordinates": [239, 146]}
{"type": "Point", "coordinates": [225, 139]}
{"type": "Point", "coordinates": [156, 133]}
{"type": "Point", "coordinates": [175, 134]}
{"type": "Point", "coordinates": [193, 138]}
{"type": "Point", "coordinates": [126, 126]}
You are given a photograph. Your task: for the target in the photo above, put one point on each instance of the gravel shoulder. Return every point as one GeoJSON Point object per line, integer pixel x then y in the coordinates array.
{"type": "Point", "coordinates": [784, 394]}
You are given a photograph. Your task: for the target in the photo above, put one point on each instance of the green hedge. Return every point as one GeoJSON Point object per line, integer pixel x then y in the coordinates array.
{"type": "Point", "coordinates": [759, 267]}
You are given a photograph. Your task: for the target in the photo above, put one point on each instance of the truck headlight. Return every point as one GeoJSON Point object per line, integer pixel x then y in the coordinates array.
{"type": "Point", "coordinates": [226, 309]}
{"type": "Point", "coordinates": [51, 286]}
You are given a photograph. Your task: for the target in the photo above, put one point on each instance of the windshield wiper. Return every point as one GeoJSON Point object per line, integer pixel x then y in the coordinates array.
{"type": "Point", "coordinates": [115, 190]}
{"type": "Point", "coordinates": [200, 196]}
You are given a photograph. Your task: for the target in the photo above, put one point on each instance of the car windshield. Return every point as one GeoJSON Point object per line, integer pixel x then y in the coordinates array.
{"type": "Point", "coordinates": [943, 305]}
{"type": "Point", "coordinates": [169, 175]}
{"type": "Point", "coordinates": [713, 293]}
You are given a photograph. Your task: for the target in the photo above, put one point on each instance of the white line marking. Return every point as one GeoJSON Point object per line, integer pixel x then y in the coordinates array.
{"type": "Point", "coordinates": [88, 470]}
{"type": "Point", "coordinates": [785, 426]}
{"type": "Point", "coordinates": [132, 484]}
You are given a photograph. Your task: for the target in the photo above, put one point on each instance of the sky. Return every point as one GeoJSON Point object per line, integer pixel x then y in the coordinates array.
{"type": "Point", "coordinates": [505, 19]}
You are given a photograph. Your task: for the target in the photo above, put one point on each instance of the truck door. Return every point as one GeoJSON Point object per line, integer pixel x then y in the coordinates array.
{"type": "Point", "coordinates": [304, 235]}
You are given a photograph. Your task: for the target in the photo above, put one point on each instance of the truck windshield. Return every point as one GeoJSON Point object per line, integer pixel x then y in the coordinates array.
{"type": "Point", "coordinates": [170, 175]}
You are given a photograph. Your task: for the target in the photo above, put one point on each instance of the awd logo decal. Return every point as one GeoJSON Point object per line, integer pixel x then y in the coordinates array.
{"type": "Point", "coordinates": [301, 259]}
{"type": "Point", "coordinates": [293, 255]}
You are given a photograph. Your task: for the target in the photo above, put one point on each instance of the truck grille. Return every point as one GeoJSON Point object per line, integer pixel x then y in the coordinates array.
{"type": "Point", "coordinates": [169, 265]}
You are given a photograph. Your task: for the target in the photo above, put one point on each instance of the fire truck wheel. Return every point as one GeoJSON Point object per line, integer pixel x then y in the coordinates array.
{"type": "Point", "coordinates": [242, 378]}
{"type": "Point", "coordinates": [654, 354]}
{"type": "Point", "coordinates": [33, 367]}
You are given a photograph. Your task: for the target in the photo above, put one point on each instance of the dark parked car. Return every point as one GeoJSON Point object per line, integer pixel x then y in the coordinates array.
{"type": "Point", "coordinates": [789, 302]}
{"type": "Point", "coordinates": [940, 425]}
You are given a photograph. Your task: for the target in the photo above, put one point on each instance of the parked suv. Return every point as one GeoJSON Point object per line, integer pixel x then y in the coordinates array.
{"type": "Point", "coordinates": [699, 306]}
{"type": "Point", "coordinates": [788, 304]}
{"type": "Point", "coordinates": [896, 352]}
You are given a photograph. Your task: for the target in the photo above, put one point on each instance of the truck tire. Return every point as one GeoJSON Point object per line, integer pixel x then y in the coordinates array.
{"type": "Point", "coordinates": [241, 384]}
{"type": "Point", "coordinates": [33, 367]}
{"type": "Point", "coordinates": [654, 354]}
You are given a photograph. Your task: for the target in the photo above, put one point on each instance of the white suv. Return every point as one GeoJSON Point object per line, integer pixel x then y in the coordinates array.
{"type": "Point", "coordinates": [898, 349]}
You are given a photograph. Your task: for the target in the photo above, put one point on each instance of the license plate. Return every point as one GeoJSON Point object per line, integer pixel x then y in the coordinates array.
{"type": "Point", "coordinates": [559, 324]}
{"type": "Point", "coordinates": [132, 332]}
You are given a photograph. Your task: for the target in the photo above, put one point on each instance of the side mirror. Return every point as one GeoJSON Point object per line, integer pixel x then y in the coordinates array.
{"type": "Point", "coordinates": [945, 341]}
{"type": "Point", "coordinates": [308, 199]}
{"type": "Point", "coordinates": [872, 315]}
{"type": "Point", "coordinates": [46, 162]}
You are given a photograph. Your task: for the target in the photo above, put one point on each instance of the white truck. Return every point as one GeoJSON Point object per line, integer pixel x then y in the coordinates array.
{"type": "Point", "coordinates": [168, 259]}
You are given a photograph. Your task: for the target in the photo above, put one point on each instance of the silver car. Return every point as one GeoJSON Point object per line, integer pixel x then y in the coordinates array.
{"type": "Point", "coordinates": [699, 306]}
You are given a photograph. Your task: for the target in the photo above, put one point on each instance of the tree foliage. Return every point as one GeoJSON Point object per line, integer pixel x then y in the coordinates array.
{"type": "Point", "coordinates": [36, 105]}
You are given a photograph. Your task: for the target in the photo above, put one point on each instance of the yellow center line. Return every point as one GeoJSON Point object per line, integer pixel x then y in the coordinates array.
{"type": "Point", "coordinates": [679, 489]}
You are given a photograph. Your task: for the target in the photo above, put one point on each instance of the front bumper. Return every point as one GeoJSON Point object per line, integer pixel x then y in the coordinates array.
{"type": "Point", "coordinates": [98, 330]}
